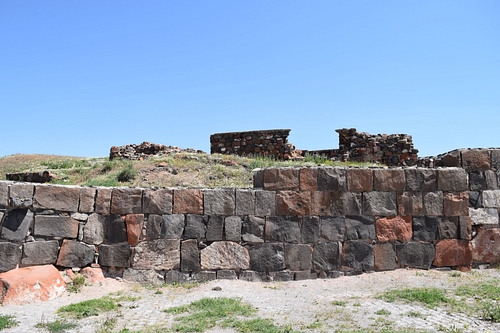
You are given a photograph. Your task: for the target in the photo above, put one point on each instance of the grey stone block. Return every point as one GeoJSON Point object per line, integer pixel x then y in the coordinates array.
{"type": "Point", "coordinates": [305, 275]}
{"type": "Point", "coordinates": [421, 180]}
{"type": "Point", "coordinates": [415, 255]}
{"type": "Point", "coordinates": [380, 203]}
{"type": "Point", "coordinates": [153, 226]}
{"type": "Point", "coordinates": [196, 227]}
{"type": "Point", "coordinates": [160, 254]}
{"type": "Point", "coordinates": [360, 227]}
{"type": "Point", "coordinates": [475, 199]}
{"type": "Point", "coordinates": [358, 255]}
{"type": "Point", "coordinates": [265, 203]}
{"type": "Point", "coordinates": [251, 276]}
{"type": "Point", "coordinates": [433, 203]}
{"type": "Point", "coordinates": [10, 256]}
{"type": "Point", "coordinates": [283, 229]}
{"type": "Point", "coordinates": [115, 229]}
{"type": "Point", "coordinates": [40, 253]}
{"type": "Point", "coordinates": [298, 257]}
{"type": "Point", "coordinates": [448, 228]}
{"type": "Point", "coordinates": [219, 202]}
{"type": "Point", "coordinates": [425, 228]}
{"type": "Point", "coordinates": [157, 201]}
{"type": "Point", "coordinates": [477, 181]}
{"type": "Point", "coordinates": [215, 228]}
{"type": "Point", "coordinates": [204, 276]}
{"type": "Point", "coordinates": [126, 201]}
{"type": "Point", "coordinates": [245, 202]}
{"type": "Point", "coordinates": [116, 255]}
{"type": "Point", "coordinates": [174, 276]}
{"type": "Point", "coordinates": [484, 216]}
{"type": "Point", "coordinates": [385, 256]}
{"type": "Point", "coordinates": [21, 195]}
{"type": "Point", "coordinates": [144, 276]}
{"type": "Point", "coordinates": [326, 256]}
{"type": "Point", "coordinates": [75, 254]}
{"type": "Point", "coordinates": [172, 226]}
{"type": "Point", "coordinates": [310, 230]}
{"type": "Point", "coordinates": [60, 198]}
{"type": "Point", "coordinates": [332, 228]}
{"type": "Point", "coordinates": [253, 229]}
{"type": "Point", "coordinates": [56, 226]}
{"type": "Point", "coordinates": [283, 276]}
{"type": "Point", "coordinates": [87, 200]}
{"type": "Point", "coordinates": [495, 159]}
{"type": "Point", "coordinates": [258, 179]}
{"type": "Point", "coordinates": [491, 199]}
{"type": "Point", "coordinates": [452, 180]}
{"type": "Point", "coordinates": [227, 274]}
{"type": "Point", "coordinates": [267, 257]}
{"type": "Point", "coordinates": [190, 256]}
{"type": "Point", "coordinates": [103, 201]}
{"type": "Point", "coordinates": [332, 179]}
{"type": "Point", "coordinates": [491, 180]}
{"type": "Point", "coordinates": [4, 194]}
{"type": "Point", "coordinates": [232, 228]}
{"type": "Point", "coordinates": [346, 203]}
{"type": "Point", "coordinates": [16, 224]}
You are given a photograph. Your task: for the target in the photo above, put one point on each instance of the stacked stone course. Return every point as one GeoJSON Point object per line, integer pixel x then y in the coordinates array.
{"type": "Point", "coordinates": [145, 150]}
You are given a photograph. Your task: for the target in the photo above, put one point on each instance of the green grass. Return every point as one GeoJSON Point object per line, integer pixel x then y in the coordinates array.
{"type": "Point", "coordinates": [383, 312]}
{"type": "Point", "coordinates": [339, 303]}
{"type": "Point", "coordinates": [93, 307]}
{"type": "Point", "coordinates": [76, 284]}
{"type": "Point", "coordinates": [486, 297]}
{"type": "Point", "coordinates": [7, 321]}
{"type": "Point", "coordinates": [57, 326]}
{"type": "Point", "coordinates": [430, 297]}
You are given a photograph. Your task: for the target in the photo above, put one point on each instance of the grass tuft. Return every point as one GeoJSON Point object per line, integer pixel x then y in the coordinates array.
{"type": "Point", "coordinates": [57, 326]}
{"type": "Point", "coordinates": [7, 321]}
{"type": "Point", "coordinates": [431, 297]}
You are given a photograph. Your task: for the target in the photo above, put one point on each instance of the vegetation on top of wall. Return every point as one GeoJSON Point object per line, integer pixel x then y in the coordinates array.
{"type": "Point", "coordinates": [172, 170]}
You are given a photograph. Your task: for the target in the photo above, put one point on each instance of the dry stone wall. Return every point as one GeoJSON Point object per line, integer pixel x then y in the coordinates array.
{"type": "Point", "coordinates": [297, 223]}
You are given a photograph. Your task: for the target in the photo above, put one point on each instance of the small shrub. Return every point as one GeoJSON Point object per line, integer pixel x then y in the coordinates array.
{"type": "Point", "coordinates": [7, 321]}
{"type": "Point", "coordinates": [90, 307]}
{"type": "Point", "coordinates": [76, 284]}
{"type": "Point", "coordinates": [127, 174]}
{"type": "Point", "coordinates": [491, 311]}
{"type": "Point", "coordinates": [57, 326]}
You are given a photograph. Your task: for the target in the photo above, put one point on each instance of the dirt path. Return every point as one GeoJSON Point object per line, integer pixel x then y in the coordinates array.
{"type": "Point", "coordinates": [309, 306]}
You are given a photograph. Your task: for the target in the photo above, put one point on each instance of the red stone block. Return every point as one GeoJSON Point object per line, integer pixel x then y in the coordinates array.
{"type": "Point", "coordinates": [359, 180]}
{"type": "Point", "coordinates": [293, 203]}
{"type": "Point", "coordinates": [453, 252]}
{"type": "Point", "coordinates": [476, 160]}
{"type": "Point", "coordinates": [308, 179]}
{"type": "Point", "coordinates": [486, 246]}
{"type": "Point", "coordinates": [389, 180]}
{"type": "Point", "coordinates": [385, 257]}
{"type": "Point", "coordinates": [134, 224]}
{"type": "Point", "coordinates": [456, 204]}
{"type": "Point", "coordinates": [188, 201]}
{"type": "Point", "coordinates": [320, 203]}
{"type": "Point", "coordinates": [285, 179]}
{"type": "Point", "coordinates": [410, 203]}
{"type": "Point", "coordinates": [394, 228]}
{"type": "Point", "coordinates": [92, 274]}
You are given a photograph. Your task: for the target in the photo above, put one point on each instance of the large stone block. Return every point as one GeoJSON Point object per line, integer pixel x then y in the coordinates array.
{"type": "Point", "coordinates": [389, 180]}
{"type": "Point", "coordinates": [309, 229]}
{"type": "Point", "coordinates": [190, 256]}
{"type": "Point", "coordinates": [56, 226]}
{"type": "Point", "coordinates": [483, 216]}
{"type": "Point", "coordinates": [115, 229]}
{"type": "Point", "coordinates": [145, 277]}
{"type": "Point", "coordinates": [4, 194]}
{"type": "Point", "coordinates": [491, 180]}
{"type": "Point", "coordinates": [298, 257]}
{"type": "Point", "coordinates": [415, 255]}
{"type": "Point", "coordinates": [157, 201]}
{"type": "Point", "coordinates": [346, 203]}
{"type": "Point", "coordinates": [245, 202]}
{"type": "Point", "coordinates": [283, 229]}
{"type": "Point", "coordinates": [332, 228]}
{"type": "Point", "coordinates": [61, 198]}
{"type": "Point", "coordinates": [421, 180]}
{"type": "Point", "coordinates": [94, 229]}
{"type": "Point", "coordinates": [332, 179]}
{"type": "Point", "coordinates": [358, 255]}
{"type": "Point", "coordinates": [172, 226]}
{"type": "Point", "coordinates": [452, 180]}
{"type": "Point", "coordinates": [10, 256]}
{"type": "Point", "coordinates": [320, 203]}
{"type": "Point", "coordinates": [157, 254]}
{"type": "Point", "coordinates": [225, 255]}
{"type": "Point", "coordinates": [253, 229]}
{"type": "Point", "coordinates": [134, 224]}
{"type": "Point", "coordinates": [486, 246]}
{"type": "Point", "coordinates": [196, 227]}
{"type": "Point", "coordinates": [16, 224]}
{"type": "Point", "coordinates": [103, 201]}
{"type": "Point", "coordinates": [465, 227]}
{"type": "Point", "coordinates": [40, 253]}
{"type": "Point", "coordinates": [452, 159]}
{"type": "Point", "coordinates": [475, 199]}
{"type": "Point", "coordinates": [87, 200]}
{"type": "Point", "coordinates": [475, 159]}
{"type": "Point", "coordinates": [75, 254]}
{"type": "Point", "coordinates": [265, 203]}
{"type": "Point", "coordinates": [456, 203]}
{"type": "Point", "coordinates": [448, 227]}
{"type": "Point", "coordinates": [215, 228]}
{"type": "Point", "coordinates": [153, 226]}
{"type": "Point", "coordinates": [425, 228]}
{"type": "Point", "coordinates": [495, 158]}
{"type": "Point", "coordinates": [410, 203]}
{"type": "Point", "coordinates": [397, 228]}
{"type": "Point", "coordinates": [219, 202]}
{"type": "Point", "coordinates": [359, 179]}
{"type": "Point", "coordinates": [284, 179]}
{"type": "Point", "coordinates": [477, 181]}
{"type": "Point", "coordinates": [31, 284]}
{"type": "Point", "coordinates": [117, 255]}
{"type": "Point", "coordinates": [385, 257]}
{"type": "Point", "coordinates": [491, 199]}
{"type": "Point", "coordinates": [21, 195]}
{"type": "Point", "coordinates": [293, 203]}
{"type": "Point", "coordinates": [360, 227]}
{"type": "Point", "coordinates": [380, 203]}
{"type": "Point", "coordinates": [258, 179]}
{"type": "Point", "coordinates": [326, 256]}
{"type": "Point", "coordinates": [433, 203]}
{"type": "Point", "coordinates": [188, 201]}
{"type": "Point", "coordinates": [267, 257]}
{"type": "Point", "coordinates": [453, 252]}
{"type": "Point", "coordinates": [232, 228]}
{"type": "Point", "coordinates": [126, 201]}
{"type": "Point", "coordinates": [308, 179]}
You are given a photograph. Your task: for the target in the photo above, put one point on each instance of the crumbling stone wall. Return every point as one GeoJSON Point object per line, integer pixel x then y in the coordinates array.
{"type": "Point", "coordinates": [297, 223]}
{"type": "Point", "coordinates": [145, 150]}
{"type": "Point", "coordinates": [264, 143]}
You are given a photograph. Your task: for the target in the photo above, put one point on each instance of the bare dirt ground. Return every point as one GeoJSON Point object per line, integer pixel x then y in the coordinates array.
{"type": "Point", "coordinates": [344, 304]}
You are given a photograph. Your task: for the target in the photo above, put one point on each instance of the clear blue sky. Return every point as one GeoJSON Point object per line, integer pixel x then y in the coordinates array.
{"type": "Point", "coordinates": [77, 77]}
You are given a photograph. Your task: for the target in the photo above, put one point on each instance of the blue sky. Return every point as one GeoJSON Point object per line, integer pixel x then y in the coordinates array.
{"type": "Point", "coordinates": [77, 77]}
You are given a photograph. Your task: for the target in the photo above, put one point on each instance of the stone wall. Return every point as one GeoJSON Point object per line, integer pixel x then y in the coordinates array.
{"type": "Point", "coordinates": [264, 143]}
{"type": "Point", "coordinates": [297, 223]}
{"type": "Point", "coordinates": [145, 150]}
